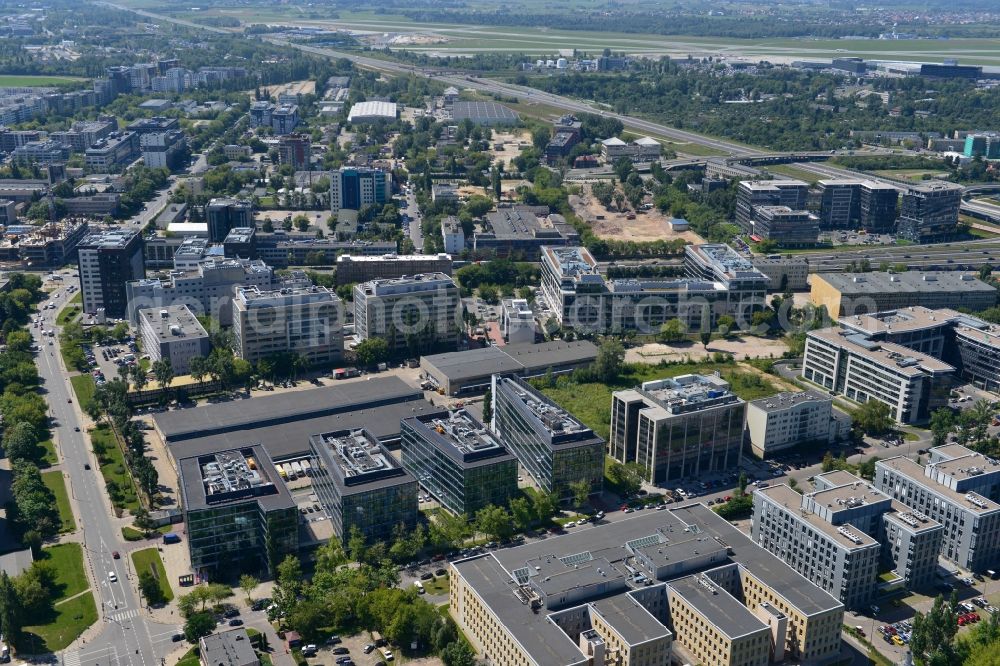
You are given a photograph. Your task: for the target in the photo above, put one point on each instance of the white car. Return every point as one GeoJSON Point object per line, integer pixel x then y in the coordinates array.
{"type": "Point", "coordinates": [387, 655]}
{"type": "Point", "coordinates": [112, 576]}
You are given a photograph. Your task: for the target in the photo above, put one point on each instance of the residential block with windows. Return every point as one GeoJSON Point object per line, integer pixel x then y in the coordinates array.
{"type": "Point", "coordinates": [551, 444]}
{"type": "Point", "coordinates": [679, 427]}
{"type": "Point", "coordinates": [458, 461]}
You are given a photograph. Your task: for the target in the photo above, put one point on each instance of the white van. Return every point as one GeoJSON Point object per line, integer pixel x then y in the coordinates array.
{"type": "Point", "coordinates": [420, 587]}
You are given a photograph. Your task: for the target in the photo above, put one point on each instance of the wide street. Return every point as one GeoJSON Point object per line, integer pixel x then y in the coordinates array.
{"type": "Point", "coordinates": [126, 636]}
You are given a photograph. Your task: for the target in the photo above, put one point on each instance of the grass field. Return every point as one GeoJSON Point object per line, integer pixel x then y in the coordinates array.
{"type": "Point", "coordinates": [148, 559]}
{"type": "Point", "coordinates": [793, 171]}
{"type": "Point", "coordinates": [71, 311]}
{"type": "Point", "coordinates": [591, 402]}
{"type": "Point", "coordinates": [55, 482]}
{"type": "Point", "coordinates": [83, 387]}
{"type": "Point", "coordinates": [67, 560]}
{"type": "Point", "coordinates": [113, 468]}
{"type": "Point", "coordinates": [69, 620]}
{"type": "Point", "coordinates": [48, 457]}
{"type": "Point", "coordinates": [915, 175]}
{"type": "Point", "coordinates": [13, 81]}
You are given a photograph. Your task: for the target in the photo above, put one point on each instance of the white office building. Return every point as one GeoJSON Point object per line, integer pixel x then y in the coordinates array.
{"type": "Point", "coordinates": [517, 321]}
{"type": "Point", "coordinates": [306, 321]}
{"type": "Point", "coordinates": [418, 313]}
{"type": "Point", "coordinates": [173, 333]}
{"type": "Point", "coordinates": [784, 420]}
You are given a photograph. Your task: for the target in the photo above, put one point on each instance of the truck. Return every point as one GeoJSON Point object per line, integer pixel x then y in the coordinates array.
{"type": "Point", "coordinates": [297, 468]}
{"type": "Point", "coordinates": [171, 537]}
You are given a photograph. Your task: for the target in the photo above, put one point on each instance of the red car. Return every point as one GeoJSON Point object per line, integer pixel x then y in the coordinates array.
{"type": "Point", "coordinates": [962, 621]}
{"type": "Point", "coordinates": [889, 630]}
{"type": "Point", "coordinates": [115, 554]}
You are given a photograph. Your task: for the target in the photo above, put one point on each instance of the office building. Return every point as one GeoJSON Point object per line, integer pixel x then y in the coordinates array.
{"type": "Point", "coordinates": [361, 486]}
{"type": "Point", "coordinates": [951, 71]}
{"type": "Point", "coordinates": [173, 333]}
{"type": "Point", "coordinates": [745, 285]}
{"type": "Point", "coordinates": [109, 154]}
{"type": "Point", "coordinates": [560, 145]}
{"type": "Point", "coordinates": [847, 363]}
{"type": "Point", "coordinates": [107, 261]}
{"type": "Point", "coordinates": [260, 114]}
{"type": "Point", "coordinates": [352, 269]}
{"type": "Point", "coordinates": [452, 235]}
{"type": "Point", "coordinates": [304, 321]}
{"type": "Point", "coordinates": [840, 204]}
{"type": "Point", "coordinates": [958, 488]}
{"type": "Point", "coordinates": [295, 150]}
{"type": "Point", "coordinates": [643, 149]}
{"type": "Point", "coordinates": [984, 144]}
{"type": "Point", "coordinates": [223, 215]}
{"type": "Point", "coordinates": [928, 212]}
{"type": "Point", "coordinates": [784, 273]}
{"type": "Point", "coordinates": [517, 321]}
{"type": "Point", "coordinates": [155, 125]}
{"type": "Point", "coordinates": [674, 586]}
{"type": "Point", "coordinates": [207, 288]}
{"type": "Point", "coordinates": [354, 188]}
{"type": "Point", "coordinates": [483, 113]}
{"type": "Point", "coordinates": [227, 648]}
{"type": "Point", "coordinates": [284, 119]}
{"type": "Point", "coordinates": [678, 428]}
{"type": "Point", "coordinates": [752, 194]}
{"type": "Point", "coordinates": [789, 228]}
{"type": "Point", "coordinates": [878, 206]}
{"type": "Point", "coordinates": [240, 242]}
{"type": "Point", "coordinates": [412, 314]}
{"type": "Point", "coordinates": [238, 515]}
{"type": "Point", "coordinates": [50, 246]}
{"type": "Point", "coordinates": [280, 249]}
{"type": "Point", "coordinates": [581, 298]}
{"type": "Point", "coordinates": [850, 65]}
{"type": "Point", "coordinates": [370, 112]}
{"type": "Point", "coordinates": [789, 419]}
{"type": "Point", "coordinates": [471, 371]}
{"type": "Point", "coordinates": [164, 150]}
{"type": "Point", "coordinates": [552, 446]}
{"type": "Point", "coordinates": [848, 294]}
{"type": "Point", "coordinates": [444, 193]}
{"type": "Point", "coordinates": [518, 232]}
{"type": "Point", "coordinates": [978, 346]}
{"type": "Point", "coordinates": [458, 461]}
{"type": "Point", "coordinates": [838, 536]}
{"type": "Point", "coordinates": [40, 153]}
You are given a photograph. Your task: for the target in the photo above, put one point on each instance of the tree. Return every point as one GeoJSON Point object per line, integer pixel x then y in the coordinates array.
{"type": "Point", "coordinates": [521, 513]}
{"type": "Point", "coordinates": [866, 470]}
{"type": "Point", "coordinates": [544, 505]}
{"type": "Point", "coordinates": [149, 587]}
{"type": "Point", "coordinates": [874, 418]}
{"type": "Point", "coordinates": [11, 610]}
{"type": "Point", "coordinates": [198, 625]}
{"type": "Point", "coordinates": [610, 357]}
{"type": "Point", "coordinates": [581, 492]}
{"type": "Point", "coordinates": [198, 368]}
{"type": "Point", "coordinates": [742, 484]}
{"type": "Point", "coordinates": [163, 371]}
{"type": "Point", "coordinates": [672, 331]}
{"type": "Point", "coordinates": [494, 522]}
{"type": "Point", "coordinates": [308, 618]}
{"type": "Point", "coordinates": [705, 337]}
{"type": "Point", "coordinates": [488, 406]}
{"type": "Point", "coordinates": [458, 653]}
{"type": "Point", "coordinates": [942, 422]}
{"type": "Point", "coordinates": [726, 325]}
{"type": "Point", "coordinates": [827, 463]}
{"type": "Point", "coordinates": [20, 441]}
{"type": "Point", "coordinates": [372, 351]}
{"type": "Point", "coordinates": [627, 478]}
{"type": "Point", "coordinates": [248, 584]}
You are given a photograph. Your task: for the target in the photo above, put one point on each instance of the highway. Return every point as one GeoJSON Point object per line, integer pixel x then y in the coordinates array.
{"type": "Point", "coordinates": [127, 637]}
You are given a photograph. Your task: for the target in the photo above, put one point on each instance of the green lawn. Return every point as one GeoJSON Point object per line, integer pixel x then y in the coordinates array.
{"type": "Point", "coordinates": [190, 658]}
{"type": "Point", "coordinates": [83, 387]}
{"type": "Point", "coordinates": [47, 456]}
{"type": "Point", "coordinates": [591, 402]}
{"type": "Point", "coordinates": [55, 482]}
{"type": "Point", "coordinates": [68, 621]}
{"type": "Point", "coordinates": [439, 585]}
{"type": "Point", "coordinates": [113, 467]}
{"type": "Point", "coordinates": [72, 310]}
{"type": "Point", "coordinates": [148, 559]}
{"type": "Point", "coordinates": [793, 171]}
{"type": "Point", "coordinates": [14, 81]}
{"type": "Point", "coordinates": [67, 561]}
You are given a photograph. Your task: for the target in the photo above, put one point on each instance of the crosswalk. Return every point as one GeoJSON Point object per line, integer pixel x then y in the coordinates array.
{"type": "Point", "coordinates": [71, 658]}
{"type": "Point", "coordinates": [121, 616]}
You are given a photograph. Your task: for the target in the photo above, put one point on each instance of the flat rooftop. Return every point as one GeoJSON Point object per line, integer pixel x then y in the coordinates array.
{"type": "Point", "coordinates": [719, 607]}
{"type": "Point", "coordinates": [862, 284]}
{"type": "Point", "coordinates": [461, 437]}
{"type": "Point", "coordinates": [528, 357]}
{"type": "Point", "coordinates": [782, 401]}
{"type": "Point", "coordinates": [254, 296]}
{"type": "Point", "coordinates": [230, 476]}
{"type": "Point", "coordinates": [571, 261]}
{"type": "Point", "coordinates": [725, 261]}
{"type": "Point", "coordinates": [850, 495]}
{"type": "Point", "coordinates": [362, 258]}
{"type": "Point", "coordinates": [361, 462]}
{"type": "Point", "coordinates": [173, 322]}
{"type": "Point", "coordinates": [406, 284]}
{"type": "Point", "coordinates": [630, 619]}
{"type": "Point", "coordinates": [906, 320]}
{"type": "Point", "coordinates": [973, 502]}
{"type": "Point", "coordinates": [911, 519]}
{"type": "Point", "coordinates": [901, 360]}
{"type": "Point", "coordinates": [846, 536]}
{"type": "Point", "coordinates": [546, 413]}
{"type": "Point", "coordinates": [689, 392]}
{"type": "Point", "coordinates": [969, 466]}
{"type": "Point", "coordinates": [110, 239]}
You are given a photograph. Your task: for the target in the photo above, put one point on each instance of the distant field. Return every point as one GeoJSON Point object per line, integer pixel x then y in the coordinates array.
{"type": "Point", "coordinates": [9, 81]}
{"type": "Point", "coordinates": [466, 39]}
{"type": "Point", "coordinates": [793, 172]}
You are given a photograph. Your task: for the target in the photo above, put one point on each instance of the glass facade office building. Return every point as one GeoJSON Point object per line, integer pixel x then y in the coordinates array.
{"type": "Point", "coordinates": [238, 515]}
{"type": "Point", "coordinates": [361, 485]}
{"type": "Point", "coordinates": [458, 461]}
{"type": "Point", "coordinates": [555, 448]}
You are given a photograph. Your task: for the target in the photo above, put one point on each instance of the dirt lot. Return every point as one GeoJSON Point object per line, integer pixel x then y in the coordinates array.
{"type": "Point", "coordinates": [299, 87]}
{"type": "Point", "coordinates": [507, 187]}
{"type": "Point", "coordinates": [739, 347]}
{"type": "Point", "coordinates": [648, 225]}
{"type": "Point", "coordinates": [511, 149]}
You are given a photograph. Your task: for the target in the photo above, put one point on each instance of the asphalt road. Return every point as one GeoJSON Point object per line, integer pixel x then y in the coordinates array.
{"type": "Point", "coordinates": [127, 637]}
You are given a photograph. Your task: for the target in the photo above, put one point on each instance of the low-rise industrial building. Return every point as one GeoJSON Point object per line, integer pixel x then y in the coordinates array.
{"type": "Point", "coordinates": [471, 371]}
{"type": "Point", "coordinates": [458, 461]}
{"type": "Point", "coordinates": [370, 112]}
{"type": "Point", "coordinates": [518, 233]}
{"type": "Point", "coordinates": [173, 333]}
{"type": "Point", "coordinates": [362, 486]}
{"type": "Point", "coordinates": [785, 420]}
{"type": "Point", "coordinates": [845, 294]}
